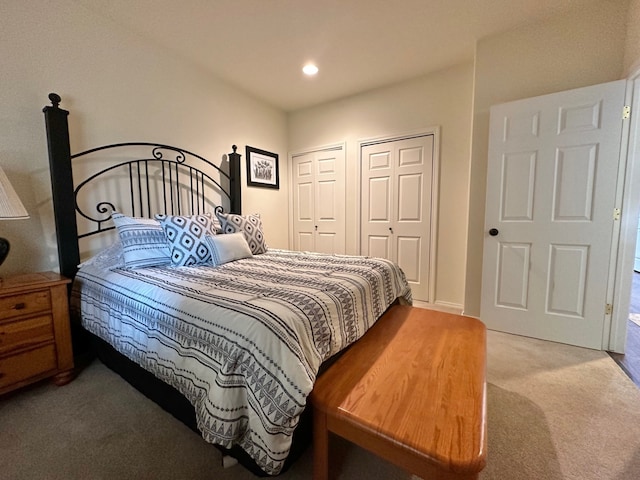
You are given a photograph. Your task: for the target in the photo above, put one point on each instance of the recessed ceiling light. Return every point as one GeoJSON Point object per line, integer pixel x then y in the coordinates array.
{"type": "Point", "coordinates": [310, 69]}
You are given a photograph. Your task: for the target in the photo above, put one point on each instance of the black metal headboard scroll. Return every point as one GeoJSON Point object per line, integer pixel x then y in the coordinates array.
{"type": "Point", "coordinates": [165, 165]}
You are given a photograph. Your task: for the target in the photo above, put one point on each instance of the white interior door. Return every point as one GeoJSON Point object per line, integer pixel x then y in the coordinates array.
{"type": "Point", "coordinates": [396, 206]}
{"type": "Point", "coordinates": [319, 209]}
{"type": "Point", "coordinates": [636, 265]}
{"type": "Point", "coordinates": [551, 189]}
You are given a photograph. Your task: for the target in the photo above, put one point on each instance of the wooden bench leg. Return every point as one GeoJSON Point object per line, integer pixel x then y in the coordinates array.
{"type": "Point", "coordinates": [320, 446]}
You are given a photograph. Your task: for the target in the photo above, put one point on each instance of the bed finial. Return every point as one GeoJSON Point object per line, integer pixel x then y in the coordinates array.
{"type": "Point", "coordinates": [55, 99]}
{"type": "Point", "coordinates": [234, 147]}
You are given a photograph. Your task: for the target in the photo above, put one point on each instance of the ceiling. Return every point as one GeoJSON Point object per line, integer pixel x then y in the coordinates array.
{"type": "Point", "coordinates": [261, 45]}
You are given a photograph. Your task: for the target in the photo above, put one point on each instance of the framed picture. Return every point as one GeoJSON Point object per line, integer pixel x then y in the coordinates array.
{"type": "Point", "coordinates": [262, 168]}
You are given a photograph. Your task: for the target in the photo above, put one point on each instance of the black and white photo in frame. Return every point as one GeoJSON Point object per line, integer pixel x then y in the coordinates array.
{"type": "Point", "coordinates": [262, 168]}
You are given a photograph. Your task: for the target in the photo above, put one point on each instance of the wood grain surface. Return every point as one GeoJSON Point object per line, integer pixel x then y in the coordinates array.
{"type": "Point", "coordinates": [412, 390]}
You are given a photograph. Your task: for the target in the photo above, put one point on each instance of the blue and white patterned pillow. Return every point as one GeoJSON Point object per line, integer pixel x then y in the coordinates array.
{"type": "Point", "coordinates": [186, 236]}
{"type": "Point", "coordinates": [107, 259]}
{"type": "Point", "coordinates": [249, 225]}
{"type": "Point", "coordinates": [144, 243]}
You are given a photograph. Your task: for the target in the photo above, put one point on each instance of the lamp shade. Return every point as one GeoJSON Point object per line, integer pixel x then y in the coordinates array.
{"type": "Point", "coordinates": [11, 207]}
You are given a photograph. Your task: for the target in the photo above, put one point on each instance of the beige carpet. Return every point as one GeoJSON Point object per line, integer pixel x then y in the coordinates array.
{"type": "Point", "coordinates": [554, 412]}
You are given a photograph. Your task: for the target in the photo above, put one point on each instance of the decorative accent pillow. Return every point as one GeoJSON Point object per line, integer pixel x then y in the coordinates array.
{"type": "Point", "coordinates": [186, 234]}
{"type": "Point", "coordinates": [143, 241]}
{"type": "Point", "coordinates": [109, 258]}
{"type": "Point", "coordinates": [227, 248]}
{"type": "Point", "coordinates": [249, 225]}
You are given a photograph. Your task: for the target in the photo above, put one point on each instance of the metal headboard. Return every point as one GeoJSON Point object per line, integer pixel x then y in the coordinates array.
{"type": "Point", "coordinates": [152, 178]}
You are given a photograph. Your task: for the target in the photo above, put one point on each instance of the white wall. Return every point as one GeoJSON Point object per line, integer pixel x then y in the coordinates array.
{"type": "Point", "coordinates": [442, 99]}
{"type": "Point", "coordinates": [118, 87]}
{"type": "Point", "coordinates": [632, 45]}
{"type": "Point", "coordinates": [583, 48]}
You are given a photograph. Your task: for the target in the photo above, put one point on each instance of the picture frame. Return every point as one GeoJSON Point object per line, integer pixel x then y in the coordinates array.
{"type": "Point", "coordinates": [263, 169]}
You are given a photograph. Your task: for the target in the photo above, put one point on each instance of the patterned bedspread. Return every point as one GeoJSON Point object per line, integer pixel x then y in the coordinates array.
{"type": "Point", "coordinates": [243, 341]}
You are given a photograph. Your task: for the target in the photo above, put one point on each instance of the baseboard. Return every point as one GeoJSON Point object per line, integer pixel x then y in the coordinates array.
{"type": "Point", "coordinates": [439, 306]}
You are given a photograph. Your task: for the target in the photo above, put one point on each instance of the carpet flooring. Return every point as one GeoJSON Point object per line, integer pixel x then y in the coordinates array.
{"type": "Point", "coordinates": [554, 412]}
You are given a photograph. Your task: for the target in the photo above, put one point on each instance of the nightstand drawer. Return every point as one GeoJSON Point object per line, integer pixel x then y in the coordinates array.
{"type": "Point", "coordinates": [26, 365]}
{"type": "Point", "coordinates": [35, 338]}
{"type": "Point", "coordinates": [24, 333]}
{"type": "Point", "coordinates": [24, 304]}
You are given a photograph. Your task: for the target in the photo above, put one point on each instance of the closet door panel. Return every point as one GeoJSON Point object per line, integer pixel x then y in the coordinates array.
{"type": "Point", "coordinates": [303, 202]}
{"type": "Point", "coordinates": [396, 206]}
{"type": "Point", "coordinates": [319, 201]}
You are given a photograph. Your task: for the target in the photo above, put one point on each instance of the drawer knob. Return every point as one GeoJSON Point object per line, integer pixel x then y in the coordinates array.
{"type": "Point", "coordinates": [20, 306]}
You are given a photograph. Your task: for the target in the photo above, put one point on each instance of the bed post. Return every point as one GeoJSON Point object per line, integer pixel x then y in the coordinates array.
{"type": "Point", "coordinates": [62, 186]}
{"type": "Point", "coordinates": [235, 185]}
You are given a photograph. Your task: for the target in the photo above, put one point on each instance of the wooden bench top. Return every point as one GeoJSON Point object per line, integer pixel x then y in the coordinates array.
{"type": "Point", "coordinates": [412, 390]}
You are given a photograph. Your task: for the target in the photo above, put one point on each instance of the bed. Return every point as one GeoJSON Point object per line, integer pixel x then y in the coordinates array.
{"type": "Point", "coordinates": [233, 350]}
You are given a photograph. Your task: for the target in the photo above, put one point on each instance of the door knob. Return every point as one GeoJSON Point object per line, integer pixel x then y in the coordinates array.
{"type": "Point", "coordinates": [493, 232]}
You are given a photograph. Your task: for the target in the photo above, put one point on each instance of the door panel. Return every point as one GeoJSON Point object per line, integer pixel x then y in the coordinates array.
{"type": "Point", "coordinates": [567, 279]}
{"type": "Point", "coordinates": [551, 185]}
{"type": "Point", "coordinates": [380, 199]}
{"type": "Point", "coordinates": [518, 173]}
{"type": "Point", "coordinates": [379, 246]}
{"type": "Point", "coordinates": [410, 190]}
{"type": "Point", "coordinates": [513, 275]}
{"type": "Point", "coordinates": [574, 182]}
{"type": "Point", "coordinates": [326, 242]}
{"type": "Point", "coordinates": [303, 203]}
{"type": "Point", "coordinates": [319, 201]}
{"type": "Point", "coordinates": [304, 242]}
{"type": "Point", "coordinates": [326, 201]}
{"type": "Point", "coordinates": [409, 257]}
{"type": "Point", "coordinates": [330, 209]}
{"type": "Point", "coordinates": [396, 206]}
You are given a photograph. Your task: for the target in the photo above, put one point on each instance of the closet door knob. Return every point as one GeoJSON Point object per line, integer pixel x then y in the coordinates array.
{"type": "Point", "coordinates": [493, 232]}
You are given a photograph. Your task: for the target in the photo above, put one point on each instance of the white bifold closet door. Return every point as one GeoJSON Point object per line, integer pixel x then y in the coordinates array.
{"type": "Point", "coordinates": [319, 201]}
{"type": "Point", "coordinates": [396, 206]}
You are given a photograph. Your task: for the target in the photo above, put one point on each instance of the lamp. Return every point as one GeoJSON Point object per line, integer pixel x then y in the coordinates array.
{"type": "Point", "coordinates": [11, 208]}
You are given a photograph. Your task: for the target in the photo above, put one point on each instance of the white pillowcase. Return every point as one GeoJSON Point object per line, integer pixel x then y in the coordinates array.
{"type": "Point", "coordinates": [227, 248]}
{"type": "Point", "coordinates": [144, 243]}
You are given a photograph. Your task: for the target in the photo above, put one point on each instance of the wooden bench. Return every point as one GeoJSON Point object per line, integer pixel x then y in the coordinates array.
{"type": "Point", "coordinates": [413, 392]}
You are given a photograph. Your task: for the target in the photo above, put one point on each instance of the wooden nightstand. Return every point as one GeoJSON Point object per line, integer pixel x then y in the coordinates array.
{"type": "Point", "coordinates": [35, 336]}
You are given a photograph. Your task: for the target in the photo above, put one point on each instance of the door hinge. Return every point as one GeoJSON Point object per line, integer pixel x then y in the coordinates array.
{"type": "Point", "coordinates": [616, 214]}
{"type": "Point", "coordinates": [626, 112]}
{"type": "Point", "coordinates": [608, 309]}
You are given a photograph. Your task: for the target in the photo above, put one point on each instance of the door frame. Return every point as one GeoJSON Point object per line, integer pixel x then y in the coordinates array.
{"type": "Point", "coordinates": [629, 195]}
{"type": "Point", "coordinates": [332, 146]}
{"type": "Point", "coordinates": [435, 183]}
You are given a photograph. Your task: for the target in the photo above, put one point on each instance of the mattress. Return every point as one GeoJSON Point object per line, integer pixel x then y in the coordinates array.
{"type": "Point", "coordinates": [243, 341]}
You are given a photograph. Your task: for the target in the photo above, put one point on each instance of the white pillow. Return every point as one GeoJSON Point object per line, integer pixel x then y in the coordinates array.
{"type": "Point", "coordinates": [144, 243]}
{"type": "Point", "coordinates": [227, 248]}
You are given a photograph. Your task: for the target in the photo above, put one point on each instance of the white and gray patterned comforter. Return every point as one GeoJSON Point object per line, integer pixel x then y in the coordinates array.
{"type": "Point", "coordinates": [243, 341]}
